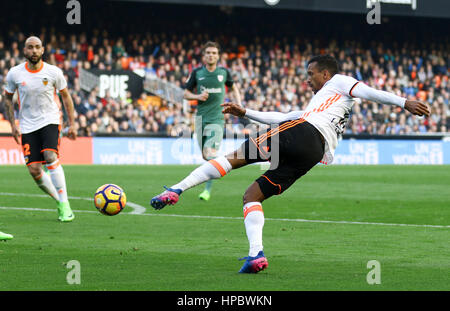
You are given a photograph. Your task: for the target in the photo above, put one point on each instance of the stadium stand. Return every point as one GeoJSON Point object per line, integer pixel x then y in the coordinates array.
{"type": "Point", "coordinates": [270, 71]}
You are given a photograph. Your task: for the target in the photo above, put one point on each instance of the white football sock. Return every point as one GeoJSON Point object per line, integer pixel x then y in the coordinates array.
{"type": "Point", "coordinates": [212, 169]}
{"type": "Point", "coordinates": [45, 183]}
{"type": "Point", "coordinates": [58, 179]}
{"type": "Point", "coordinates": [254, 223]}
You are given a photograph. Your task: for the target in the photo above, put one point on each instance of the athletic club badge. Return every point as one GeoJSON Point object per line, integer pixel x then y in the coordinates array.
{"type": "Point", "coordinates": [45, 81]}
{"type": "Point", "coordinates": [220, 78]}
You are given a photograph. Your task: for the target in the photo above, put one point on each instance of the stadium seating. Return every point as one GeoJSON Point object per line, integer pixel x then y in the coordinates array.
{"type": "Point", "coordinates": [270, 73]}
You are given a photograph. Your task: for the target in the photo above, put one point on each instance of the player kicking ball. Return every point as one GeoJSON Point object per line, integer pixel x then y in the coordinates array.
{"type": "Point", "coordinates": [300, 140]}
{"type": "Point", "coordinates": [40, 121]}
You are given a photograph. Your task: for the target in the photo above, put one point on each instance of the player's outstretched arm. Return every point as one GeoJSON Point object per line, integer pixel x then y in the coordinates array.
{"type": "Point", "coordinates": [10, 114]}
{"type": "Point", "coordinates": [68, 104]}
{"type": "Point", "coordinates": [363, 91]}
{"type": "Point", "coordinates": [270, 117]}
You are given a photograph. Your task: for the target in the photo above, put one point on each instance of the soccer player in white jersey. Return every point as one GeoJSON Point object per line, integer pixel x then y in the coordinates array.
{"type": "Point", "coordinates": [40, 120]}
{"type": "Point", "coordinates": [300, 140]}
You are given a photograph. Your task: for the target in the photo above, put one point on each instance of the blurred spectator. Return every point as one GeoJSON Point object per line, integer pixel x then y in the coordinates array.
{"type": "Point", "coordinates": [271, 77]}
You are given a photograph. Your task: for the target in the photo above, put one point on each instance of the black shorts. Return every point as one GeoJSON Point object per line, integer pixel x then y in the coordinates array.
{"type": "Point", "coordinates": [35, 143]}
{"type": "Point", "coordinates": [293, 148]}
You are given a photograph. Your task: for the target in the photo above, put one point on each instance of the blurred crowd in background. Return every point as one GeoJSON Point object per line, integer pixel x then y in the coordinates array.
{"type": "Point", "coordinates": [269, 70]}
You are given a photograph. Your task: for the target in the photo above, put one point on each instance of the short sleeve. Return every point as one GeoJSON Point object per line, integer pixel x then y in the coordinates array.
{"type": "Point", "coordinates": [345, 84]}
{"type": "Point", "coordinates": [61, 82]}
{"type": "Point", "coordinates": [191, 82]}
{"type": "Point", "coordinates": [10, 86]}
{"type": "Point", "coordinates": [229, 81]}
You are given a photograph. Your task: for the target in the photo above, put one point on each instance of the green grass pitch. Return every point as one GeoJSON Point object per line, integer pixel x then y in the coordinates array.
{"type": "Point", "coordinates": [318, 235]}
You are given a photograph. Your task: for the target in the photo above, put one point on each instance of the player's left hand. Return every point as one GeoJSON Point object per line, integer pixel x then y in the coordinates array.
{"type": "Point", "coordinates": [16, 134]}
{"type": "Point", "coordinates": [417, 108]}
{"type": "Point", "coordinates": [72, 133]}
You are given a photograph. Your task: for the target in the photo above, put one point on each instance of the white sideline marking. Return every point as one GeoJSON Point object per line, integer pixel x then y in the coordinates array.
{"type": "Point", "coordinates": [241, 218]}
{"type": "Point", "coordinates": [137, 209]}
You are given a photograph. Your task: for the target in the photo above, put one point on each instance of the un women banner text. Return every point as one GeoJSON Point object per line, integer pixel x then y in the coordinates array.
{"type": "Point", "coordinates": [186, 151]}
{"type": "Point", "coordinates": [152, 150]}
{"type": "Point", "coordinates": [109, 150]}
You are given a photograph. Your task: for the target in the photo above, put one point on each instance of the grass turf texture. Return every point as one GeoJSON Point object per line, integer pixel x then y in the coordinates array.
{"type": "Point", "coordinates": [155, 251]}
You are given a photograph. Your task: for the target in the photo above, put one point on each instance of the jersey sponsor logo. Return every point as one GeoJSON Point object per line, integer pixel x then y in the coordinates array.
{"type": "Point", "coordinates": [220, 78]}
{"type": "Point", "coordinates": [201, 78]}
{"type": "Point", "coordinates": [213, 90]}
{"type": "Point", "coordinates": [45, 81]}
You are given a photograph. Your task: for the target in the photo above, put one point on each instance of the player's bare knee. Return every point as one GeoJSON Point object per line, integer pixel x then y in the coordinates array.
{"type": "Point", "coordinates": [250, 197]}
{"type": "Point", "coordinates": [35, 170]}
{"type": "Point", "coordinates": [50, 156]}
{"type": "Point", "coordinates": [253, 194]}
{"type": "Point", "coordinates": [245, 198]}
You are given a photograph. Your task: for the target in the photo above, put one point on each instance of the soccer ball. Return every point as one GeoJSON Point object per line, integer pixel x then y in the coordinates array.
{"type": "Point", "coordinates": [110, 199]}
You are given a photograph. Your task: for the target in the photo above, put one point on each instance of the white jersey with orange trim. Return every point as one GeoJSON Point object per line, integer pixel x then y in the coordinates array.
{"type": "Point", "coordinates": [36, 94]}
{"type": "Point", "coordinates": [329, 109]}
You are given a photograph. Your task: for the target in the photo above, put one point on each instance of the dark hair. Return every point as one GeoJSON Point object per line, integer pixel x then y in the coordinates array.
{"type": "Point", "coordinates": [327, 62]}
{"type": "Point", "coordinates": [210, 44]}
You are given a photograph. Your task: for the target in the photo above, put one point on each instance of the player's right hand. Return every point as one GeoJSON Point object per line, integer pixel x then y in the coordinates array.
{"type": "Point", "coordinates": [233, 109]}
{"type": "Point", "coordinates": [16, 134]}
{"type": "Point", "coordinates": [203, 96]}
